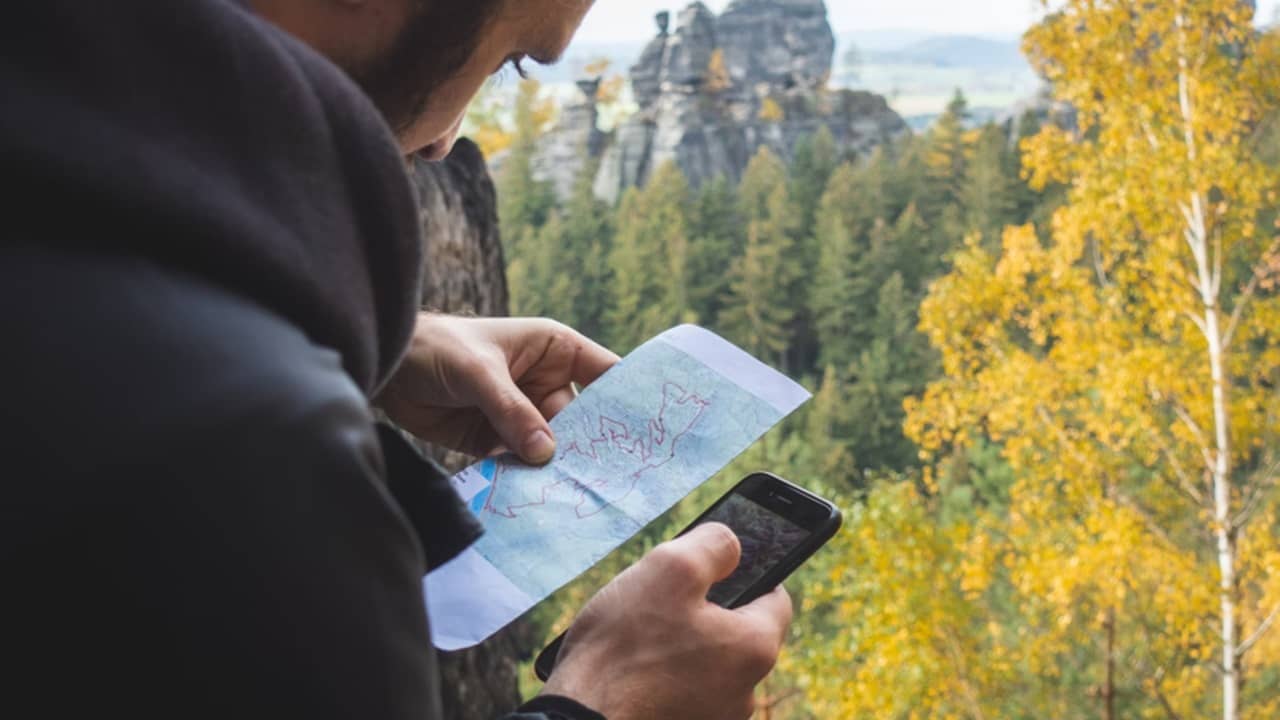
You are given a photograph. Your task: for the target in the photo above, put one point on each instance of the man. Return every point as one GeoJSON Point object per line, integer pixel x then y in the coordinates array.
{"type": "Point", "coordinates": [210, 268]}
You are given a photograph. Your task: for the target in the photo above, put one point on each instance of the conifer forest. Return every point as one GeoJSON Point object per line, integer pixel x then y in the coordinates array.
{"type": "Point", "coordinates": [1045, 359]}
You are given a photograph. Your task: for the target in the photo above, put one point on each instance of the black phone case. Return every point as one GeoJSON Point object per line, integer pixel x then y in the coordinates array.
{"type": "Point", "coordinates": [546, 660]}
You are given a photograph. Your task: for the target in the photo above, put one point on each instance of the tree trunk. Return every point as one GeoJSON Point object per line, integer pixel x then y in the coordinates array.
{"type": "Point", "coordinates": [1109, 689]}
{"type": "Point", "coordinates": [1209, 284]}
{"type": "Point", "coordinates": [464, 273]}
{"type": "Point", "coordinates": [1219, 455]}
{"type": "Point", "coordinates": [1223, 528]}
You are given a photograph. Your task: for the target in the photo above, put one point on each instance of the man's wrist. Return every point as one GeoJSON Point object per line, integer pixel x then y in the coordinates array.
{"type": "Point", "coordinates": [558, 707]}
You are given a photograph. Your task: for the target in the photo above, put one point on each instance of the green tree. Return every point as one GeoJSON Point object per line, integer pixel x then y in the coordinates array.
{"type": "Point", "coordinates": [523, 202]}
{"type": "Point", "coordinates": [835, 299]}
{"type": "Point", "coordinates": [946, 161]}
{"type": "Point", "coordinates": [826, 453]}
{"type": "Point", "coordinates": [760, 310]}
{"type": "Point", "coordinates": [718, 236]}
{"type": "Point", "coordinates": [541, 278]}
{"type": "Point", "coordinates": [867, 192]}
{"type": "Point", "coordinates": [758, 313]}
{"type": "Point", "coordinates": [991, 189]}
{"type": "Point", "coordinates": [764, 175]}
{"type": "Point", "coordinates": [649, 260]}
{"type": "Point", "coordinates": [816, 158]}
{"type": "Point", "coordinates": [586, 239]}
{"type": "Point", "coordinates": [891, 366]}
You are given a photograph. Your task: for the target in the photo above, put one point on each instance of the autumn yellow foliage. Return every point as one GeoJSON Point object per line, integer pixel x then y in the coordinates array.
{"type": "Point", "coordinates": [1123, 360]}
{"type": "Point", "coordinates": [718, 79]}
{"type": "Point", "coordinates": [771, 111]}
{"type": "Point", "coordinates": [492, 125]}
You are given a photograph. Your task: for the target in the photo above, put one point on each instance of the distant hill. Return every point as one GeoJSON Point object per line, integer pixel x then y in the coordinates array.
{"type": "Point", "coordinates": [885, 39]}
{"type": "Point", "coordinates": [920, 72]}
{"type": "Point", "coordinates": [952, 51]}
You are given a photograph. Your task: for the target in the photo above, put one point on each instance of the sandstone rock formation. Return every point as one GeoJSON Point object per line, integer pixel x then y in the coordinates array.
{"type": "Point", "coordinates": [574, 138]}
{"type": "Point", "coordinates": [711, 91]}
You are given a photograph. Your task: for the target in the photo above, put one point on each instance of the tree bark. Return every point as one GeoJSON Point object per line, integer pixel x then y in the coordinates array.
{"type": "Point", "coordinates": [1109, 690]}
{"type": "Point", "coordinates": [464, 273]}
{"type": "Point", "coordinates": [1209, 285]}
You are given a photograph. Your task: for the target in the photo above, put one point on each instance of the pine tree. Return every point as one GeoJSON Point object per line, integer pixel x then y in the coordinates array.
{"type": "Point", "coordinates": [889, 368]}
{"type": "Point", "coordinates": [718, 237]}
{"type": "Point", "coordinates": [555, 272]}
{"type": "Point", "coordinates": [586, 238]}
{"type": "Point", "coordinates": [826, 451]}
{"type": "Point", "coordinates": [811, 168]}
{"type": "Point", "coordinates": [763, 176]}
{"type": "Point", "coordinates": [523, 202]}
{"type": "Point", "coordinates": [773, 265]}
{"type": "Point", "coordinates": [635, 265]}
{"type": "Point", "coordinates": [543, 275]}
{"type": "Point", "coordinates": [649, 260]}
{"type": "Point", "coordinates": [913, 249]}
{"type": "Point", "coordinates": [990, 194]}
{"type": "Point", "coordinates": [844, 198]}
{"type": "Point", "coordinates": [868, 192]}
{"type": "Point", "coordinates": [834, 298]}
{"type": "Point", "coordinates": [759, 312]}
{"type": "Point", "coordinates": [945, 159]}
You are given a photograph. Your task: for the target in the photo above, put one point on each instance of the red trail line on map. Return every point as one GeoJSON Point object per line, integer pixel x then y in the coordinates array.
{"type": "Point", "coordinates": [616, 434]}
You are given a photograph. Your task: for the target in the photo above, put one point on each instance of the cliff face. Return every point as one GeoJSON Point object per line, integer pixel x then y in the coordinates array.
{"type": "Point", "coordinates": [712, 91]}
{"type": "Point", "coordinates": [464, 273]}
{"type": "Point", "coordinates": [464, 269]}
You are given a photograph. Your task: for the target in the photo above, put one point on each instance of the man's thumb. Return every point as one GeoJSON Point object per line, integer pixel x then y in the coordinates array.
{"type": "Point", "coordinates": [519, 424]}
{"type": "Point", "coordinates": [703, 556]}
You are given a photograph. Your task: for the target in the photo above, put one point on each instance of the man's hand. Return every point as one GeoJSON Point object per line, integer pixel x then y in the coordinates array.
{"type": "Point", "coordinates": [480, 385]}
{"type": "Point", "coordinates": [649, 645]}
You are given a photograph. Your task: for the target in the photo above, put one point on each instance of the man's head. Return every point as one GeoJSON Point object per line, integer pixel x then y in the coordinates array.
{"type": "Point", "coordinates": [422, 61]}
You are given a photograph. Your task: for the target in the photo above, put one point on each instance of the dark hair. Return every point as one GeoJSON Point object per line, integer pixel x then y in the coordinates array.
{"type": "Point", "coordinates": [434, 45]}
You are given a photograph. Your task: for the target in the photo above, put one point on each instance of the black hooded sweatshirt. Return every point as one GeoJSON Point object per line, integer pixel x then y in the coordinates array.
{"type": "Point", "coordinates": [210, 261]}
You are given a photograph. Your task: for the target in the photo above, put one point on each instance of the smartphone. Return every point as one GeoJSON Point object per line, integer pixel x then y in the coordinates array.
{"type": "Point", "coordinates": [779, 524]}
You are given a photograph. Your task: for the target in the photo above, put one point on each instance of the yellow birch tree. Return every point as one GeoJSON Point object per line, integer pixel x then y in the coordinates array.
{"type": "Point", "coordinates": [1128, 360]}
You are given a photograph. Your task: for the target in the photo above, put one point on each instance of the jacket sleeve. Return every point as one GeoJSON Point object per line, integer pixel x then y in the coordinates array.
{"type": "Point", "coordinates": [445, 528]}
{"type": "Point", "coordinates": [554, 707]}
{"type": "Point", "coordinates": [444, 525]}
{"type": "Point", "coordinates": [196, 521]}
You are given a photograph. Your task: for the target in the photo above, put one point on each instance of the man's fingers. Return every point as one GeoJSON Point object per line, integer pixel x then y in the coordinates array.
{"type": "Point", "coordinates": [701, 557]}
{"type": "Point", "coordinates": [771, 611]}
{"type": "Point", "coordinates": [590, 361]}
{"type": "Point", "coordinates": [555, 402]}
{"type": "Point", "coordinates": [517, 422]}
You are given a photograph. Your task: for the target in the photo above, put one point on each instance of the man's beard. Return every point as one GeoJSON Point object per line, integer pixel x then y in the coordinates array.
{"type": "Point", "coordinates": [433, 46]}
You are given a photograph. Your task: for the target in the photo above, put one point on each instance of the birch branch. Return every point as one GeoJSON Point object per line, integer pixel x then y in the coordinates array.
{"type": "Point", "coordinates": [1259, 272]}
{"type": "Point", "coordinates": [1164, 701]}
{"type": "Point", "coordinates": [1258, 633]}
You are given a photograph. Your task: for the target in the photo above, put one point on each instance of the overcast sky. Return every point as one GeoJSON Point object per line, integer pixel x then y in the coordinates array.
{"type": "Point", "coordinates": [632, 20]}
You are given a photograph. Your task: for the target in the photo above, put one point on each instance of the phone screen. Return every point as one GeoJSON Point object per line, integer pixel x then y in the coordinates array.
{"type": "Point", "coordinates": [766, 539]}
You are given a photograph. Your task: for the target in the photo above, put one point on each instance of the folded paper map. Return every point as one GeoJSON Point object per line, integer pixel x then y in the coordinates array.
{"type": "Point", "coordinates": [659, 424]}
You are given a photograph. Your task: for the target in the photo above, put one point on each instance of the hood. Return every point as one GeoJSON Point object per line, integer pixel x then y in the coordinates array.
{"type": "Point", "coordinates": [201, 136]}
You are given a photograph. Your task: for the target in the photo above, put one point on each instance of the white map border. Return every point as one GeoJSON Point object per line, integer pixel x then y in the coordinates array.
{"type": "Point", "coordinates": [468, 599]}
